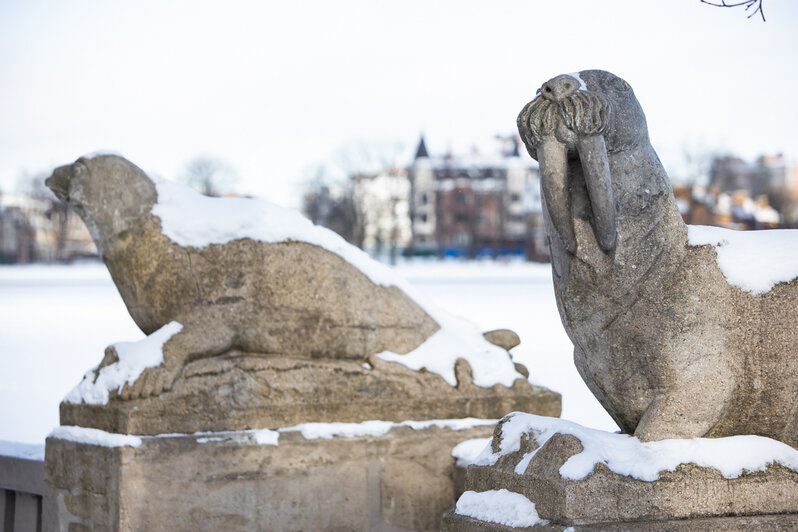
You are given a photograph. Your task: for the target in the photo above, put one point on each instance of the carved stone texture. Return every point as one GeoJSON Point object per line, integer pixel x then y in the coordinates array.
{"type": "Point", "coordinates": [666, 344]}
{"type": "Point", "coordinates": [273, 334]}
{"type": "Point", "coordinates": [401, 480]}
{"type": "Point", "coordinates": [239, 391]}
{"type": "Point", "coordinates": [291, 298]}
{"type": "Point", "coordinates": [688, 498]}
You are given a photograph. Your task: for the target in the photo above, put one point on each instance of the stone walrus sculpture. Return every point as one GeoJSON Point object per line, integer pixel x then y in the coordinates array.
{"type": "Point", "coordinates": [286, 297]}
{"type": "Point", "coordinates": [669, 347]}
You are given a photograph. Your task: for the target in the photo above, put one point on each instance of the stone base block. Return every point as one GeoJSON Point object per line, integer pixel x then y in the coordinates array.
{"type": "Point", "coordinates": [571, 475]}
{"type": "Point", "coordinates": [401, 480]}
{"type": "Point", "coordinates": [605, 496]}
{"type": "Point", "coordinates": [760, 523]}
{"type": "Point", "coordinates": [242, 391]}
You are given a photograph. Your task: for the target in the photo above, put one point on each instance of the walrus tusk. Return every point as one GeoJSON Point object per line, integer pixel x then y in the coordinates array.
{"type": "Point", "coordinates": [554, 182]}
{"type": "Point", "coordinates": [596, 168]}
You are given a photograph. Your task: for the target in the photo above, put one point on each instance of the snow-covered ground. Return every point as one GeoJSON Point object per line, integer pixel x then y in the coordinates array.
{"type": "Point", "coordinates": [55, 322]}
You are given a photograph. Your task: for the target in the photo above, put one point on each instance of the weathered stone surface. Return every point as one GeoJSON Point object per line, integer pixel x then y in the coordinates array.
{"type": "Point", "coordinates": [666, 344]}
{"type": "Point", "coordinates": [765, 523]}
{"type": "Point", "coordinates": [690, 497]}
{"type": "Point", "coordinates": [273, 334]}
{"type": "Point", "coordinates": [504, 338]}
{"type": "Point", "coordinates": [690, 491]}
{"type": "Point", "coordinates": [399, 481]}
{"type": "Point", "coordinates": [246, 391]}
{"type": "Point", "coordinates": [291, 298]}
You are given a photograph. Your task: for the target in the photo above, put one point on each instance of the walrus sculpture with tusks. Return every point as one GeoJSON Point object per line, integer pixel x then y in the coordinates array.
{"type": "Point", "coordinates": [666, 344]}
{"type": "Point", "coordinates": [287, 298]}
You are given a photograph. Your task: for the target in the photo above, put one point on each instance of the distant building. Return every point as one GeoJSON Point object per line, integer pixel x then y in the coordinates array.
{"type": "Point", "coordinates": [334, 208]}
{"type": "Point", "coordinates": [383, 204]}
{"type": "Point", "coordinates": [742, 195]}
{"type": "Point", "coordinates": [447, 205]}
{"type": "Point", "coordinates": [475, 205]}
{"type": "Point", "coordinates": [36, 229]}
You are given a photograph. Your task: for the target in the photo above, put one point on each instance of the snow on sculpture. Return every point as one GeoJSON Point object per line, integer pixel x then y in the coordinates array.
{"type": "Point", "coordinates": [257, 290]}
{"type": "Point", "coordinates": [669, 345]}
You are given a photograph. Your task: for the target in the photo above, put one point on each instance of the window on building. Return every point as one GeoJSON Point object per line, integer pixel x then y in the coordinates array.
{"type": "Point", "coordinates": [424, 198]}
{"type": "Point", "coordinates": [462, 239]}
{"type": "Point", "coordinates": [515, 197]}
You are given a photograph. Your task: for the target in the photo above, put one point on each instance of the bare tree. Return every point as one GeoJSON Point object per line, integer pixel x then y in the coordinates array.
{"type": "Point", "coordinates": [360, 157]}
{"type": "Point", "coordinates": [209, 175]}
{"type": "Point", "coordinates": [57, 212]}
{"type": "Point", "coordinates": [33, 185]}
{"type": "Point", "coordinates": [749, 6]}
{"type": "Point", "coordinates": [331, 205]}
{"type": "Point", "coordinates": [697, 162]}
{"type": "Point", "coordinates": [329, 196]}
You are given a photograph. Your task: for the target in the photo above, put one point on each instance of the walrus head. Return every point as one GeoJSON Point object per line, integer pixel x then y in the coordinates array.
{"type": "Point", "coordinates": [581, 119]}
{"type": "Point", "coordinates": [107, 191]}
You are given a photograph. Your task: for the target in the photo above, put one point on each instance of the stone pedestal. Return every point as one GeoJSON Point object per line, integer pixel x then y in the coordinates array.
{"type": "Point", "coordinates": [196, 463]}
{"type": "Point", "coordinates": [688, 498]}
{"type": "Point", "coordinates": [240, 391]}
{"type": "Point", "coordinates": [754, 523]}
{"type": "Point", "coordinates": [401, 480]}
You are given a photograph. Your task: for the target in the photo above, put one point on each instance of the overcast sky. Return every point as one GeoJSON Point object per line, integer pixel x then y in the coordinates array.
{"type": "Point", "coordinates": [274, 88]}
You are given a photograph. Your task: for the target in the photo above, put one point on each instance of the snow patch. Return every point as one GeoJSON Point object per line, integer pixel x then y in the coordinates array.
{"type": "Point", "coordinates": [326, 431]}
{"type": "Point", "coordinates": [211, 439]}
{"type": "Point", "coordinates": [459, 338]}
{"type": "Point", "coordinates": [134, 358]}
{"type": "Point", "coordinates": [466, 452]}
{"type": "Point", "coordinates": [499, 506]}
{"type": "Point", "coordinates": [582, 85]}
{"type": "Point", "coordinates": [754, 261]}
{"type": "Point", "coordinates": [26, 451]}
{"type": "Point", "coordinates": [94, 437]}
{"type": "Point", "coordinates": [310, 431]}
{"type": "Point", "coordinates": [628, 456]}
{"type": "Point", "coordinates": [101, 153]}
{"type": "Point", "coordinates": [193, 220]}
{"type": "Point", "coordinates": [452, 424]}
{"type": "Point", "coordinates": [266, 437]}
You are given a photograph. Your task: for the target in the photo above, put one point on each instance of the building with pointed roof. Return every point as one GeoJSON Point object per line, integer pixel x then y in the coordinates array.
{"type": "Point", "coordinates": [475, 205]}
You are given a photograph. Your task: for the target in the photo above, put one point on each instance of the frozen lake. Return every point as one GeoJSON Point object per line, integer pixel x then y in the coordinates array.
{"type": "Point", "coordinates": [55, 322]}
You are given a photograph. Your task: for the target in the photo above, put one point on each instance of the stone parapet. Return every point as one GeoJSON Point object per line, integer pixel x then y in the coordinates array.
{"type": "Point", "coordinates": [240, 391]}
{"type": "Point", "coordinates": [400, 480]}
{"type": "Point", "coordinates": [575, 478]}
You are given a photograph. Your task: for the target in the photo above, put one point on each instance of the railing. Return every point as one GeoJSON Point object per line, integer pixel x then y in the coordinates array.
{"type": "Point", "coordinates": [22, 493]}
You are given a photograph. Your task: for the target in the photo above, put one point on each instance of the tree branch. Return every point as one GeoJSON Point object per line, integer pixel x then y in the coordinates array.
{"type": "Point", "coordinates": [747, 3]}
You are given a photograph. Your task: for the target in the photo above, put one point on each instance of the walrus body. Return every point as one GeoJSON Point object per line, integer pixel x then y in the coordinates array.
{"type": "Point", "coordinates": [667, 345]}
{"type": "Point", "coordinates": [290, 298]}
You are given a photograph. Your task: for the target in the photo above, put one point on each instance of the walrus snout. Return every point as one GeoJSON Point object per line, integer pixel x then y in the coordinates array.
{"type": "Point", "coordinates": [565, 119]}
{"type": "Point", "coordinates": [59, 182]}
{"type": "Point", "coordinates": [559, 88]}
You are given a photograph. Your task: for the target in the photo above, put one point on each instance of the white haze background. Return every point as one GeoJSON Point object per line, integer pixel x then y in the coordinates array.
{"type": "Point", "coordinates": [276, 87]}
{"type": "Point", "coordinates": [55, 322]}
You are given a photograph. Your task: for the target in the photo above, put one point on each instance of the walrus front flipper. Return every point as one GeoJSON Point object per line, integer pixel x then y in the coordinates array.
{"type": "Point", "coordinates": [687, 411]}
{"type": "Point", "coordinates": [151, 382]}
{"type": "Point", "coordinates": [194, 341]}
